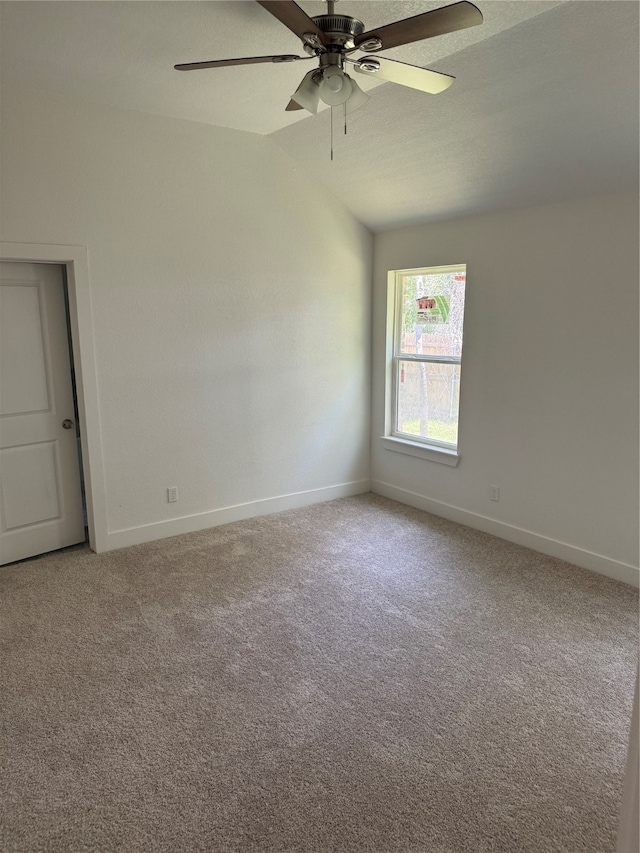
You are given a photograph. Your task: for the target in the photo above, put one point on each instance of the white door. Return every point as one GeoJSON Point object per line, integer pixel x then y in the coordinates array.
{"type": "Point", "coordinates": [40, 491]}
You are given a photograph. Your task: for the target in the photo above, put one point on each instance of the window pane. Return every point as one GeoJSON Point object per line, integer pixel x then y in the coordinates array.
{"type": "Point", "coordinates": [432, 311]}
{"type": "Point", "coordinates": [428, 397]}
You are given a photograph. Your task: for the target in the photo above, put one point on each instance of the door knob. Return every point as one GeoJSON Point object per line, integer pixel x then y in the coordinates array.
{"type": "Point", "coordinates": [67, 424]}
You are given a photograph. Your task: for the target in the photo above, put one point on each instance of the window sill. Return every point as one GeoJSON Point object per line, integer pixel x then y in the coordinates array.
{"type": "Point", "coordinates": [421, 451]}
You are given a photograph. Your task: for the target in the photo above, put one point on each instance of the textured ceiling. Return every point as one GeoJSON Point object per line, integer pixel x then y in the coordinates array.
{"type": "Point", "coordinates": [544, 107]}
{"type": "Point", "coordinates": [123, 53]}
{"type": "Point", "coordinates": [544, 112]}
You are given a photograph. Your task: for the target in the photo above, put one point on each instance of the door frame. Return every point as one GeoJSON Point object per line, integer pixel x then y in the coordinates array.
{"type": "Point", "coordinates": [75, 261]}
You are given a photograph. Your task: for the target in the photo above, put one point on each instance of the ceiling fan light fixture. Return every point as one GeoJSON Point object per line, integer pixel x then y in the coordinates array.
{"type": "Point", "coordinates": [307, 95]}
{"type": "Point", "coordinates": [336, 87]}
{"type": "Point", "coordinates": [357, 99]}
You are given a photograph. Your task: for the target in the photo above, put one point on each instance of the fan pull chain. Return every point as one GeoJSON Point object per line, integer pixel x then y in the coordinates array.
{"type": "Point", "coordinates": [331, 108]}
{"type": "Point", "coordinates": [344, 107]}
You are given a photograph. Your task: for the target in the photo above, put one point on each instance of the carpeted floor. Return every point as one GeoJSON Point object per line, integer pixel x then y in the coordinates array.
{"type": "Point", "coordinates": [354, 676]}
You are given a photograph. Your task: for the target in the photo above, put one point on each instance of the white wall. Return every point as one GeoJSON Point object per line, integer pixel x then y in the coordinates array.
{"type": "Point", "coordinates": [231, 308]}
{"type": "Point", "coordinates": [549, 389]}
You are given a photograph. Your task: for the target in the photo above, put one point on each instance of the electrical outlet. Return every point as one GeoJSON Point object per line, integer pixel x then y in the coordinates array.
{"type": "Point", "coordinates": [494, 493]}
{"type": "Point", "coordinates": [172, 494]}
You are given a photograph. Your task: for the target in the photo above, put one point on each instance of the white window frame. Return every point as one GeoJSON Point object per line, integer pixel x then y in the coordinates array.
{"type": "Point", "coordinates": [411, 445]}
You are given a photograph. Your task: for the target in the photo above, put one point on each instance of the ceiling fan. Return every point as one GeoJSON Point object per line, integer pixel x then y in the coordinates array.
{"type": "Point", "coordinates": [333, 38]}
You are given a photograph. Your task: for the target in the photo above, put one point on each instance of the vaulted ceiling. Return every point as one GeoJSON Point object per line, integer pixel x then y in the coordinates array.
{"type": "Point", "coordinates": [544, 107]}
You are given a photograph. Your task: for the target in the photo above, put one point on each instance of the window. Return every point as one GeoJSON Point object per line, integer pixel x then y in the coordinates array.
{"type": "Point", "coordinates": [426, 308]}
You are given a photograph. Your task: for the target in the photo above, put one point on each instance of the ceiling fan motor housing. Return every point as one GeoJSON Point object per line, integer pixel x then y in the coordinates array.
{"type": "Point", "coordinates": [341, 30]}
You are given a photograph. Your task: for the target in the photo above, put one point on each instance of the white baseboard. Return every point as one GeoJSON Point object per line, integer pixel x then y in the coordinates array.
{"type": "Point", "coordinates": [202, 520]}
{"type": "Point", "coordinates": [552, 547]}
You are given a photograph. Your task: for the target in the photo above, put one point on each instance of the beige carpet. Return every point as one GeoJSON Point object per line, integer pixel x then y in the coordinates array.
{"type": "Point", "coordinates": [355, 676]}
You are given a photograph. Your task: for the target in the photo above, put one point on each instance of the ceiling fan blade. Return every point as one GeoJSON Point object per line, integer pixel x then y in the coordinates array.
{"type": "Point", "coordinates": [292, 16]}
{"type": "Point", "coordinates": [406, 75]}
{"type": "Point", "coordinates": [248, 60]}
{"type": "Point", "coordinates": [447, 19]}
